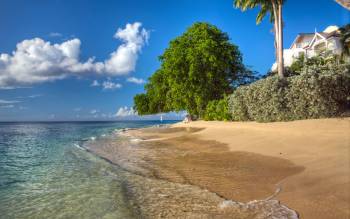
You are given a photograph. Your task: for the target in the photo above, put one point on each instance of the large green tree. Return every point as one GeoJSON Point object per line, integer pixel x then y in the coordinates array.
{"type": "Point", "coordinates": [274, 7]}
{"type": "Point", "coordinates": [199, 66]}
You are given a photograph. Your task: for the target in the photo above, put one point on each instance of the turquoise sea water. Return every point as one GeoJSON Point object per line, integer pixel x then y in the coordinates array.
{"type": "Point", "coordinates": [45, 174]}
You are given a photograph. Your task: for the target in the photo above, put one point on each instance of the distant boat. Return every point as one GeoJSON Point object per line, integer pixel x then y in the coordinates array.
{"type": "Point", "coordinates": [161, 118]}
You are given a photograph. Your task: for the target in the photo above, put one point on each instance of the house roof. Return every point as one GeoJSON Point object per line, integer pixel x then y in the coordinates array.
{"type": "Point", "coordinates": [301, 35]}
{"type": "Point", "coordinates": [328, 32]}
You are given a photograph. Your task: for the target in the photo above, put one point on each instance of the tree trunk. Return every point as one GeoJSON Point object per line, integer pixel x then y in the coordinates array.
{"type": "Point", "coordinates": [276, 40]}
{"type": "Point", "coordinates": [280, 42]}
{"type": "Point", "coordinates": [276, 29]}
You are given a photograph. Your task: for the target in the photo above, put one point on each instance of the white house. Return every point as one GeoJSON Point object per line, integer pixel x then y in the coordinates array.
{"type": "Point", "coordinates": [312, 44]}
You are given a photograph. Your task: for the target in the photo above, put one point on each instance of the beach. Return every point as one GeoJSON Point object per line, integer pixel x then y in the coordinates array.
{"type": "Point", "coordinates": [303, 164]}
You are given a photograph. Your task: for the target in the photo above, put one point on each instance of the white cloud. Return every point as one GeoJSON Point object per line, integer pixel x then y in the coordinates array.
{"type": "Point", "coordinates": [78, 109]}
{"type": "Point", "coordinates": [11, 87]}
{"type": "Point", "coordinates": [35, 95]}
{"type": "Point", "coordinates": [125, 111]}
{"type": "Point", "coordinates": [8, 101]}
{"type": "Point", "coordinates": [109, 85]}
{"type": "Point", "coordinates": [7, 106]}
{"type": "Point", "coordinates": [95, 83]}
{"type": "Point", "coordinates": [55, 34]}
{"type": "Point", "coordinates": [124, 59]}
{"type": "Point", "coordinates": [94, 111]}
{"type": "Point", "coordinates": [136, 80]}
{"type": "Point", "coordinates": [38, 61]}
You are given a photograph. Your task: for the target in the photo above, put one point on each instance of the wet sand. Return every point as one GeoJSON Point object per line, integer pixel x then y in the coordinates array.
{"type": "Point", "coordinates": [173, 174]}
{"type": "Point", "coordinates": [322, 147]}
{"type": "Point", "coordinates": [304, 164]}
{"type": "Point", "coordinates": [241, 176]}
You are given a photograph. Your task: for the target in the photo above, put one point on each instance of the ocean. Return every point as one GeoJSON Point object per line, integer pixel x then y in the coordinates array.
{"type": "Point", "coordinates": [47, 170]}
{"type": "Point", "coordinates": [46, 173]}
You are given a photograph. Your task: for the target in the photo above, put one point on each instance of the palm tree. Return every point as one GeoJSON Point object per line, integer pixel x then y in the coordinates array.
{"type": "Point", "coordinates": [274, 7]}
{"type": "Point", "coordinates": [344, 3]}
{"type": "Point", "coordinates": [345, 40]}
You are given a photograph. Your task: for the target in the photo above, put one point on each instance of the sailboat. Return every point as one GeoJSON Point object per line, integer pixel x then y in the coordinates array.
{"type": "Point", "coordinates": [161, 118]}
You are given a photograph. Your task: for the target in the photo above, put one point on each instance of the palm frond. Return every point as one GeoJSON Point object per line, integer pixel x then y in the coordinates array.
{"type": "Point", "coordinates": [265, 8]}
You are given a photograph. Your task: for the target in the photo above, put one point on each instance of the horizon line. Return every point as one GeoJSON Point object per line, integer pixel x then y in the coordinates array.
{"type": "Point", "coordinates": [62, 121]}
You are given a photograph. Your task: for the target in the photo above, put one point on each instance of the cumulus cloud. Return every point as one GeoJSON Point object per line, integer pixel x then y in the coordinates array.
{"type": "Point", "coordinates": [136, 80]}
{"type": "Point", "coordinates": [37, 61]}
{"type": "Point", "coordinates": [124, 59]}
{"type": "Point", "coordinates": [95, 83]}
{"type": "Point", "coordinates": [125, 111]}
{"type": "Point", "coordinates": [109, 85]}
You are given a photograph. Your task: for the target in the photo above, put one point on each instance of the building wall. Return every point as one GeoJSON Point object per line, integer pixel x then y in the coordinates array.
{"type": "Point", "coordinates": [290, 55]}
{"type": "Point", "coordinates": [334, 45]}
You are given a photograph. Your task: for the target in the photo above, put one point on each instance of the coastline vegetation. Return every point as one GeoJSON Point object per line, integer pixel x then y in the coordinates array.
{"type": "Point", "coordinates": [202, 72]}
{"type": "Point", "coordinates": [200, 66]}
{"type": "Point", "coordinates": [318, 90]}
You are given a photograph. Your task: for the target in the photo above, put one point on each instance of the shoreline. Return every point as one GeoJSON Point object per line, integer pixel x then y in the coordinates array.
{"type": "Point", "coordinates": [247, 161]}
{"type": "Point", "coordinates": [144, 159]}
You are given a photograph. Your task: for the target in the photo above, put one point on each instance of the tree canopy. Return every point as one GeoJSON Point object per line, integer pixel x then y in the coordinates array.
{"type": "Point", "coordinates": [199, 66]}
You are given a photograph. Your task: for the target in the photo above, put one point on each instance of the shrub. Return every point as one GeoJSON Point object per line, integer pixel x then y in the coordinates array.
{"type": "Point", "coordinates": [312, 94]}
{"type": "Point", "coordinates": [316, 96]}
{"type": "Point", "coordinates": [218, 110]}
{"type": "Point", "coordinates": [262, 101]}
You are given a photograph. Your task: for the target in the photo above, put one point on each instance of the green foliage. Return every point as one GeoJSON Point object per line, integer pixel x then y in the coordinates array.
{"type": "Point", "coordinates": [154, 101]}
{"type": "Point", "coordinates": [316, 93]}
{"type": "Point", "coordinates": [317, 96]}
{"type": "Point", "coordinates": [218, 110]}
{"type": "Point", "coordinates": [313, 65]}
{"type": "Point", "coordinates": [298, 64]}
{"type": "Point", "coordinates": [199, 66]}
{"type": "Point", "coordinates": [288, 72]}
{"type": "Point", "coordinates": [327, 63]}
{"type": "Point", "coordinates": [262, 101]}
{"type": "Point", "coordinates": [141, 103]}
{"type": "Point", "coordinates": [264, 5]}
{"type": "Point", "coordinates": [345, 39]}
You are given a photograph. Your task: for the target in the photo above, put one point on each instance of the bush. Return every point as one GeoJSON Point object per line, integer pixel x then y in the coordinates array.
{"type": "Point", "coordinates": [217, 110]}
{"type": "Point", "coordinates": [311, 94]}
{"type": "Point", "coordinates": [262, 101]}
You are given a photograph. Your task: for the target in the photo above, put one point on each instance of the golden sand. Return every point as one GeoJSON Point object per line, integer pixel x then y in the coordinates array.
{"type": "Point", "coordinates": [304, 164]}
{"type": "Point", "coordinates": [322, 147]}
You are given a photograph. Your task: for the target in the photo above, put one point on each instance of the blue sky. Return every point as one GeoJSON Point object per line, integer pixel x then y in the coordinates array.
{"type": "Point", "coordinates": [123, 59]}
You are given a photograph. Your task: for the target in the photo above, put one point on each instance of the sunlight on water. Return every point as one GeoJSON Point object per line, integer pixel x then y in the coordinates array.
{"type": "Point", "coordinates": [43, 175]}
{"type": "Point", "coordinates": [46, 172]}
